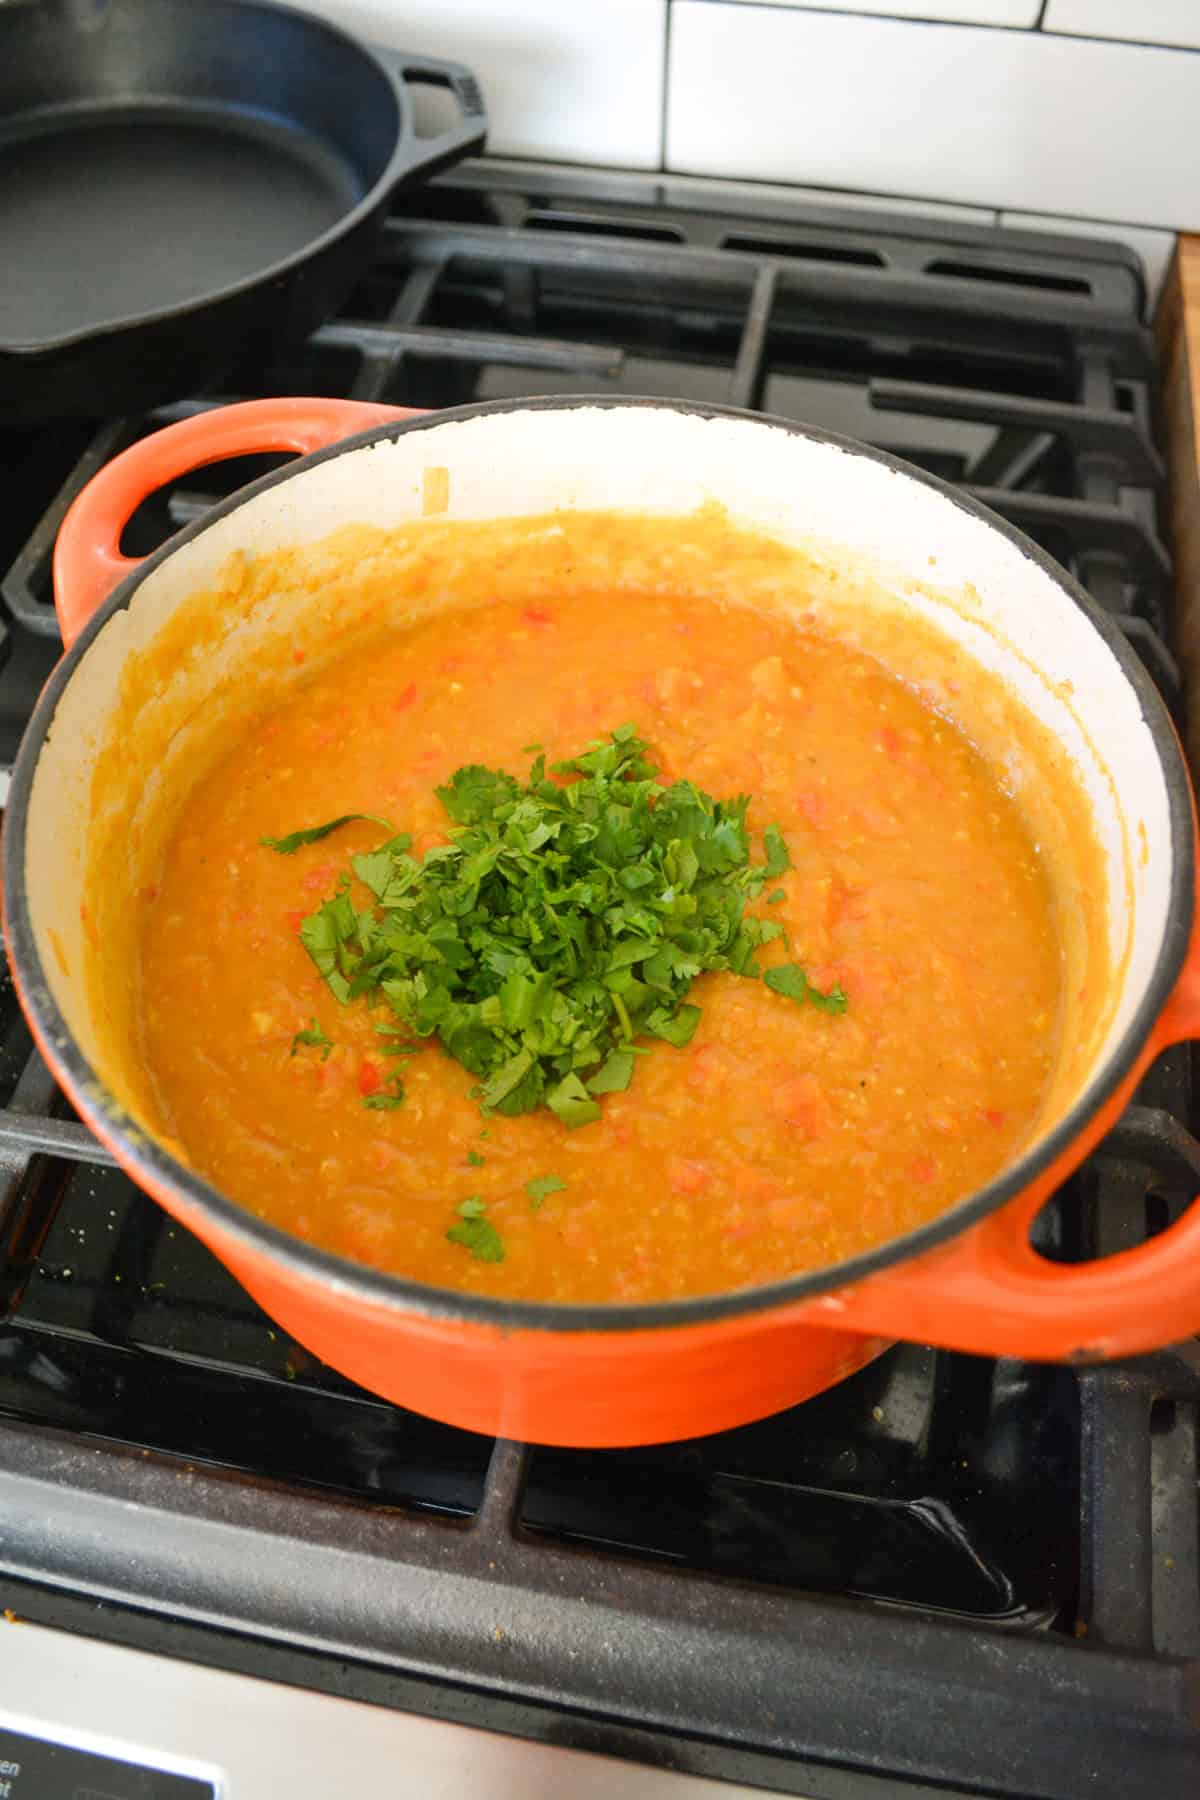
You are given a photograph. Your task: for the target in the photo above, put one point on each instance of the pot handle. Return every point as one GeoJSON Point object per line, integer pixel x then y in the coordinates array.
{"type": "Point", "coordinates": [417, 156]}
{"type": "Point", "coordinates": [991, 1293]}
{"type": "Point", "coordinates": [88, 561]}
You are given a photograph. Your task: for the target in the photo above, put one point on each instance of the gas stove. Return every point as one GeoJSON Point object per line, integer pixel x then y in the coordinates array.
{"type": "Point", "coordinates": [221, 1562]}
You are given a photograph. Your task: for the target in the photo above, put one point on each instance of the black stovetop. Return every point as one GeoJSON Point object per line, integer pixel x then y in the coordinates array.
{"type": "Point", "coordinates": [947, 1570]}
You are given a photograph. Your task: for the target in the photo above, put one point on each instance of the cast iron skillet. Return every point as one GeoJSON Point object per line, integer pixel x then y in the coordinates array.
{"type": "Point", "coordinates": [184, 184]}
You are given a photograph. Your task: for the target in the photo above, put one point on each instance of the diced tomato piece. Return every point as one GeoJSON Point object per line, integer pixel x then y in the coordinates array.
{"type": "Point", "coordinates": [295, 920]}
{"type": "Point", "coordinates": [298, 656]}
{"type": "Point", "coordinates": [369, 1078]}
{"type": "Point", "coordinates": [366, 1233]}
{"type": "Point", "coordinates": [877, 820]}
{"type": "Point", "coordinates": [709, 1065]}
{"type": "Point", "coordinates": [404, 700]}
{"type": "Point", "coordinates": [801, 1101]}
{"type": "Point", "coordinates": [923, 1169]}
{"type": "Point", "coordinates": [752, 1186]}
{"type": "Point", "coordinates": [688, 1177]}
{"type": "Point", "coordinates": [867, 977]}
{"type": "Point", "coordinates": [994, 1117]}
{"type": "Point", "coordinates": [814, 806]}
{"type": "Point", "coordinates": [824, 976]}
{"type": "Point", "coordinates": [537, 615]}
{"type": "Point", "coordinates": [319, 878]}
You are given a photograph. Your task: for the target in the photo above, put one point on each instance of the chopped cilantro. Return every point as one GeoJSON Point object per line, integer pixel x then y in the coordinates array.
{"type": "Point", "coordinates": [778, 860]}
{"type": "Point", "coordinates": [313, 1039]}
{"type": "Point", "coordinates": [614, 1074]}
{"type": "Point", "coordinates": [776, 897]}
{"type": "Point", "coordinates": [474, 1159]}
{"type": "Point", "coordinates": [540, 1189]}
{"type": "Point", "coordinates": [571, 1103]}
{"type": "Point", "coordinates": [475, 1232]}
{"type": "Point", "coordinates": [312, 834]}
{"type": "Point", "coordinates": [383, 1100]}
{"type": "Point", "coordinates": [562, 922]}
{"type": "Point", "coordinates": [835, 1001]}
{"type": "Point", "coordinates": [531, 749]}
{"type": "Point", "coordinates": [790, 980]}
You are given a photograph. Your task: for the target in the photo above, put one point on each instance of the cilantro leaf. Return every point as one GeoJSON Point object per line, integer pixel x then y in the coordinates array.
{"type": "Point", "coordinates": [475, 793]}
{"type": "Point", "coordinates": [474, 1159]}
{"type": "Point", "coordinates": [790, 980]}
{"type": "Point", "coordinates": [541, 1188]}
{"type": "Point", "coordinates": [475, 1232]}
{"type": "Point", "coordinates": [677, 1028]}
{"type": "Point", "coordinates": [314, 1039]}
{"type": "Point", "coordinates": [312, 834]}
{"type": "Point", "coordinates": [571, 1103]}
{"type": "Point", "coordinates": [614, 1074]}
{"type": "Point", "coordinates": [776, 897]}
{"type": "Point", "coordinates": [778, 860]}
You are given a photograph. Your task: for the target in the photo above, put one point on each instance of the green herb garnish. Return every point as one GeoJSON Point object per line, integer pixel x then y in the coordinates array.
{"type": "Point", "coordinates": [778, 860]}
{"type": "Point", "coordinates": [312, 834]}
{"type": "Point", "coordinates": [474, 1159]}
{"type": "Point", "coordinates": [776, 897]}
{"type": "Point", "coordinates": [614, 1074]}
{"type": "Point", "coordinates": [563, 921]}
{"type": "Point", "coordinates": [790, 980]}
{"type": "Point", "coordinates": [475, 1231]}
{"type": "Point", "coordinates": [540, 1189]}
{"type": "Point", "coordinates": [313, 1039]}
{"type": "Point", "coordinates": [386, 1099]}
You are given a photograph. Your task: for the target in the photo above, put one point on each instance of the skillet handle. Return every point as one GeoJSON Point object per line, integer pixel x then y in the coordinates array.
{"type": "Point", "coordinates": [88, 562]}
{"type": "Point", "coordinates": [991, 1293]}
{"type": "Point", "coordinates": [421, 156]}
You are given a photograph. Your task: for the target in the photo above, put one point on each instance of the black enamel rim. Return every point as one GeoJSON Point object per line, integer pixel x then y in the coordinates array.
{"type": "Point", "coordinates": [152, 1166]}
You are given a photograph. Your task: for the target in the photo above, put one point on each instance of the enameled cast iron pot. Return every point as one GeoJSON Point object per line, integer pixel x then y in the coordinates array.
{"type": "Point", "coordinates": [633, 1374]}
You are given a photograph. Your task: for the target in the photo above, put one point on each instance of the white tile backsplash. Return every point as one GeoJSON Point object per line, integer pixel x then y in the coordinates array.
{"type": "Point", "coordinates": [580, 83]}
{"type": "Point", "coordinates": [1144, 21]}
{"type": "Point", "coordinates": [1154, 247]}
{"type": "Point", "coordinates": [1016, 119]}
{"type": "Point", "coordinates": [962, 12]}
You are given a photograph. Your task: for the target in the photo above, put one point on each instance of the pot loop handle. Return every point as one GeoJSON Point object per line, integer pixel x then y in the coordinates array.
{"type": "Point", "coordinates": [989, 1292]}
{"type": "Point", "coordinates": [88, 561]}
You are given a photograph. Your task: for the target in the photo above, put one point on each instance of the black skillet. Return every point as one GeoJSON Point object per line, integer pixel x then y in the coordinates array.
{"type": "Point", "coordinates": [184, 184]}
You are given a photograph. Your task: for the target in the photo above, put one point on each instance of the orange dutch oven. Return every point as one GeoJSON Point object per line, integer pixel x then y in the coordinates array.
{"type": "Point", "coordinates": [621, 1374]}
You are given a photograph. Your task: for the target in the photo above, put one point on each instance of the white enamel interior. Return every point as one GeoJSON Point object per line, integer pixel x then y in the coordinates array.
{"type": "Point", "coordinates": [919, 544]}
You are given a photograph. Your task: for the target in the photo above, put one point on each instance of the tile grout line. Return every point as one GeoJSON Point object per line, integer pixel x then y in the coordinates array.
{"type": "Point", "coordinates": [668, 14]}
{"type": "Point", "coordinates": [879, 13]}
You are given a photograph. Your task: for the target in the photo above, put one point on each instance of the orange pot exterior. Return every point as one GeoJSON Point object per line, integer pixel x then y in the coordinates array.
{"type": "Point", "coordinates": [984, 1291]}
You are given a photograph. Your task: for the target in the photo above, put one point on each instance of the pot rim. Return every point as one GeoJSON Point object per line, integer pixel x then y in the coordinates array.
{"type": "Point", "coordinates": [157, 1171]}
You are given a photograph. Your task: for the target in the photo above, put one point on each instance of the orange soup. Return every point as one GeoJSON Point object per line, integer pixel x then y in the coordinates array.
{"type": "Point", "coordinates": [782, 1137]}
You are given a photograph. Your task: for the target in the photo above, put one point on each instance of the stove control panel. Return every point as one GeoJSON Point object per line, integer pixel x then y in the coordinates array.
{"type": "Point", "coordinates": [33, 1768]}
